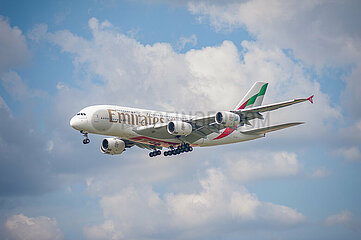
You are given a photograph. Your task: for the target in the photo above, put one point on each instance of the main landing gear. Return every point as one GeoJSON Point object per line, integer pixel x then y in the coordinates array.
{"type": "Point", "coordinates": [155, 153]}
{"type": "Point", "coordinates": [173, 151]}
{"type": "Point", "coordinates": [180, 149]}
{"type": "Point", "coordinates": [85, 134]}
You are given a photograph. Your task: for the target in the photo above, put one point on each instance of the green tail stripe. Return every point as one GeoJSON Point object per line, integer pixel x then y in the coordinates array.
{"type": "Point", "coordinates": [254, 97]}
{"type": "Point", "coordinates": [263, 90]}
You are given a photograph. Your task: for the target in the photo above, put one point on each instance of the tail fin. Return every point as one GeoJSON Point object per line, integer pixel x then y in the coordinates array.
{"type": "Point", "coordinates": [254, 96]}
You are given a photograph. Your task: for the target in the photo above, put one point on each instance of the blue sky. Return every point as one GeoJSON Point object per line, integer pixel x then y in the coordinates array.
{"type": "Point", "coordinates": [57, 57]}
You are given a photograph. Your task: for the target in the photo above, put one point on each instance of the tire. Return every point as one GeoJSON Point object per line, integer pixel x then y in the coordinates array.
{"type": "Point", "coordinates": [151, 154]}
{"type": "Point", "coordinates": [190, 149]}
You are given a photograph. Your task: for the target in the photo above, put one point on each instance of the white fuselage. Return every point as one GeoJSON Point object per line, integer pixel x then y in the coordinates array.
{"type": "Point", "coordinates": [122, 122]}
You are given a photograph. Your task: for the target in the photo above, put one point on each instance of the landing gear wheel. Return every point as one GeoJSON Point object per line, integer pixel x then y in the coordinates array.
{"type": "Point", "coordinates": [85, 134]}
{"type": "Point", "coordinates": [155, 153]}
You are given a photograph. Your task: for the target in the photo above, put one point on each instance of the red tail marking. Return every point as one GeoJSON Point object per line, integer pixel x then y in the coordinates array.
{"type": "Point", "coordinates": [310, 99]}
{"type": "Point", "coordinates": [243, 105]}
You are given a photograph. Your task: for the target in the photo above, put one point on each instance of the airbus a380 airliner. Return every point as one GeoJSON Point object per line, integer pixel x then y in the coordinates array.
{"type": "Point", "coordinates": [178, 133]}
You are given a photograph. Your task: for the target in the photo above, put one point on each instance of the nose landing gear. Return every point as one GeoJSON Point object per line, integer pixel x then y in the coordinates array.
{"type": "Point", "coordinates": [85, 134]}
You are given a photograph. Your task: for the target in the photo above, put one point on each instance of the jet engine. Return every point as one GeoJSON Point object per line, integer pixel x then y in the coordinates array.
{"type": "Point", "coordinates": [227, 118]}
{"type": "Point", "coordinates": [179, 128]}
{"type": "Point", "coordinates": [112, 146]}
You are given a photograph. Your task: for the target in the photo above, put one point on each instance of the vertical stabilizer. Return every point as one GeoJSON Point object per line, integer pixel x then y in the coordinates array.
{"type": "Point", "coordinates": [254, 96]}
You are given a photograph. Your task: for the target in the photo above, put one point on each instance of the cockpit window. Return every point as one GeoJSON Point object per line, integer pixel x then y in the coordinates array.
{"type": "Point", "coordinates": [83, 114]}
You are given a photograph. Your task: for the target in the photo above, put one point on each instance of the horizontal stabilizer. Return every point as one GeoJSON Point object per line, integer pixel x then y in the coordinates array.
{"type": "Point", "coordinates": [271, 128]}
{"type": "Point", "coordinates": [274, 106]}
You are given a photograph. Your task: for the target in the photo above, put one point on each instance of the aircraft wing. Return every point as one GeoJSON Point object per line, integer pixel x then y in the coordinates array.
{"type": "Point", "coordinates": [202, 126]}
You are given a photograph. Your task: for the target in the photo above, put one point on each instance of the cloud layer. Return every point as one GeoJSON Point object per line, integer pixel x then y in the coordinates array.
{"type": "Point", "coordinates": [22, 227]}
{"type": "Point", "coordinates": [139, 212]}
{"type": "Point", "coordinates": [12, 45]}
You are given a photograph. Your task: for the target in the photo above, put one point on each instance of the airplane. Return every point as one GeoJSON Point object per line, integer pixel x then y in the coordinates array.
{"type": "Point", "coordinates": [179, 133]}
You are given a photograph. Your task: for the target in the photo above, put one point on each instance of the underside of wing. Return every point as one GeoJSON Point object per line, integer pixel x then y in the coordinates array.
{"type": "Point", "coordinates": [129, 144]}
{"type": "Point", "coordinates": [271, 128]}
{"type": "Point", "coordinates": [201, 127]}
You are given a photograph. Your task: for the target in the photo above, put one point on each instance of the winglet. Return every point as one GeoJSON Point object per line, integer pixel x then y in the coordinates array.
{"type": "Point", "coordinates": [310, 99]}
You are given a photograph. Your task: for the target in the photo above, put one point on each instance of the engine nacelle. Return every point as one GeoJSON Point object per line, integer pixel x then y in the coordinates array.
{"type": "Point", "coordinates": [227, 118]}
{"type": "Point", "coordinates": [179, 128]}
{"type": "Point", "coordinates": [112, 146]}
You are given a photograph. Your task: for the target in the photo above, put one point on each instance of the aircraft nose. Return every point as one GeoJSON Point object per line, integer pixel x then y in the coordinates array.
{"type": "Point", "coordinates": [79, 123]}
{"type": "Point", "coordinates": [75, 123]}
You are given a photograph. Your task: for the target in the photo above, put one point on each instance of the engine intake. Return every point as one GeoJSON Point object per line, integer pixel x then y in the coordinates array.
{"type": "Point", "coordinates": [112, 146]}
{"type": "Point", "coordinates": [227, 118]}
{"type": "Point", "coordinates": [179, 128]}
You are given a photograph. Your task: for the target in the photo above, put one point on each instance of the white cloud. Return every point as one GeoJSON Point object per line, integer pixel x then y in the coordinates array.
{"type": "Point", "coordinates": [310, 28]}
{"type": "Point", "coordinates": [50, 146]}
{"type": "Point", "coordinates": [345, 218]}
{"type": "Point", "coordinates": [139, 212]}
{"type": "Point", "coordinates": [14, 51]}
{"type": "Point", "coordinates": [359, 125]}
{"type": "Point", "coordinates": [321, 172]}
{"type": "Point", "coordinates": [3, 105]}
{"type": "Point", "coordinates": [262, 165]}
{"type": "Point", "coordinates": [339, 218]}
{"type": "Point", "coordinates": [38, 32]}
{"type": "Point", "coordinates": [350, 154]}
{"type": "Point", "coordinates": [102, 232]}
{"type": "Point", "coordinates": [183, 41]}
{"type": "Point", "coordinates": [15, 86]}
{"type": "Point", "coordinates": [22, 227]}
